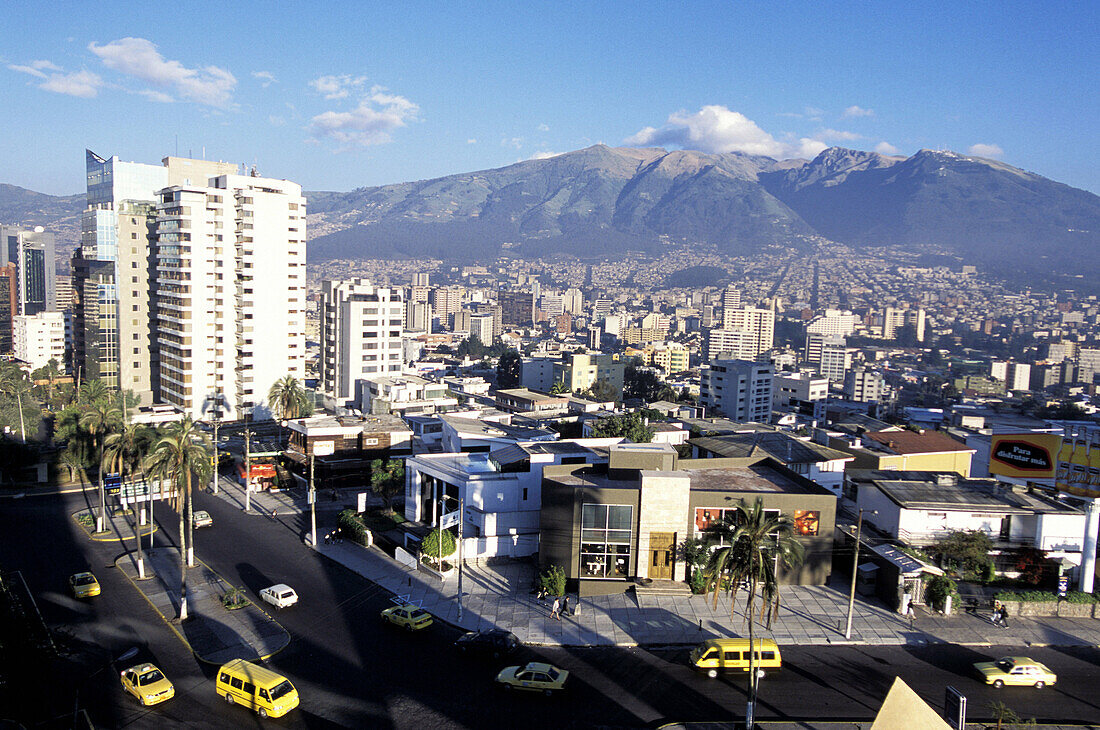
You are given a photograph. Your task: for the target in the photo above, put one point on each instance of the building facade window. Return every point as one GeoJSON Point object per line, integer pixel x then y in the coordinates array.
{"type": "Point", "coordinates": [605, 540]}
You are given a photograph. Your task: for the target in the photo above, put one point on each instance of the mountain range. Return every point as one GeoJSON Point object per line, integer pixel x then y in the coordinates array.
{"type": "Point", "coordinates": [601, 201]}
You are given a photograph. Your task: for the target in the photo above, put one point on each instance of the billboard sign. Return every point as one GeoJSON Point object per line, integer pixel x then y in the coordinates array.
{"type": "Point", "coordinates": [1025, 455]}
{"type": "Point", "coordinates": [1078, 463]}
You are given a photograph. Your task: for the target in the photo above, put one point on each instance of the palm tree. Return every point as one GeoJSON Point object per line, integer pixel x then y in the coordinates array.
{"type": "Point", "coordinates": [180, 454]}
{"type": "Point", "coordinates": [754, 544]}
{"type": "Point", "coordinates": [92, 391]}
{"type": "Point", "coordinates": [99, 419]}
{"type": "Point", "coordinates": [124, 451]}
{"type": "Point", "coordinates": [13, 381]}
{"type": "Point", "coordinates": [287, 399]}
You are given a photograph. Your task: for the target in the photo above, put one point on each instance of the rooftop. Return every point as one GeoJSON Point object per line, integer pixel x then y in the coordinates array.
{"type": "Point", "coordinates": [912, 442]}
{"type": "Point", "coordinates": [947, 491]}
{"type": "Point", "coordinates": [780, 446]}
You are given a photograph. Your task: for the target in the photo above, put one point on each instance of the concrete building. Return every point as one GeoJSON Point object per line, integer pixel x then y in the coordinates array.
{"type": "Point", "coordinates": [32, 252]}
{"type": "Point", "coordinates": [517, 308]}
{"type": "Point", "coordinates": [39, 338]}
{"type": "Point", "coordinates": [418, 316]}
{"type": "Point", "coordinates": [863, 386]}
{"type": "Point", "coordinates": [834, 322]}
{"type": "Point", "coordinates": [348, 444]}
{"type": "Point", "coordinates": [1014, 375]}
{"type": "Point", "coordinates": [894, 319]}
{"type": "Point", "coordinates": [573, 301]}
{"type": "Point", "coordinates": [758, 323]}
{"type": "Point", "coordinates": [739, 389]}
{"type": "Point", "coordinates": [903, 450]}
{"type": "Point", "coordinates": [610, 524]}
{"type": "Point", "coordinates": [401, 395]}
{"type": "Point", "coordinates": [580, 371]}
{"type": "Point", "coordinates": [445, 301]}
{"type": "Point", "coordinates": [672, 357]}
{"type": "Point", "coordinates": [482, 326]}
{"type": "Point", "coordinates": [9, 285]}
{"type": "Point", "coordinates": [64, 292]}
{"type": "Point", "coordinates": [820, 464]}
{"type": "Point", "coordinates": [361, 334]}
{"type": "Point", "coordinates": [794, 387]}
{"type": "Point", "coordinates": [231, 286]}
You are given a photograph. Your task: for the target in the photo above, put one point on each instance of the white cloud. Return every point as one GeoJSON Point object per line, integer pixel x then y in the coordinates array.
{"type": "Point", "coordinates": [157, 96]}
{"type": "Point", "coordinates": [885, 148]}
{"type": "Point", "coordinates": [543, 127]}
{"type": "Point", "coordinates": [513, 142]}
{"type": "Point", "coordinates": [266, 78]}
{"type": "Point", "coordinates": [985, 150]}
{"type": "Point", "coordinates": [35, 68]}
{"type": "Point", "coordinates": [337, 87]}
{"type": "Point", "coordinates": [471, 140]}
{"type": "Point", "coordinates": [857, 111]}
{"type": "Point", "coordinates": [276, 121]}
{"type": "Point", "coordinates": [84, 84]}
{"type": "Point", "coordinates": [543, 155]}
{"type": "Point", "coordinates": [378, 114]}
{"type": "Point", "coordinates": [139, 57]}
{"type": "Point", "coordinates": [715, 128]}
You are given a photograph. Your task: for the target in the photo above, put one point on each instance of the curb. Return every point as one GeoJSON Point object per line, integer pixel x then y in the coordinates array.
{"type": "Point", "coordinates": [91, 536]}
{"type": "Point", "coordinates": [257, 606]}
{"type": "Point", "coordinates": [154, 606]}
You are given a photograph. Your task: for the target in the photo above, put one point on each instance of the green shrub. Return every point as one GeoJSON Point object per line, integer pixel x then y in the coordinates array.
{"type": "Point", "coordinates": [1027, 596]}
{"type": "Point", "coordinates": [553, 580]}
{"type": "Point", "coordinates": [1079, 597]}
{"type": "Point", "coordinates": [698, 582]}
{"type": "Point", "coordinates": [351, 526]}
{"type": "Point", "coordinates": [437, 543]}
{"type": "Point", "coordinates": [86, 520]}
{"type": "Point", "coordinates": [939, 588]}
{"type": "Point", "coordinates": [234, 598]}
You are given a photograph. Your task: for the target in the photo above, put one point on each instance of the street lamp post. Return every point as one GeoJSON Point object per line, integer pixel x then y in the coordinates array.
{"type": "Point", "coordinates": [855, 571]}
{"type": "Point", "coordinates": [312, 502]}
{"type": "Point", "coordinates": [247, 467]}
{"type": "Point", "coordinates": [217, 422]}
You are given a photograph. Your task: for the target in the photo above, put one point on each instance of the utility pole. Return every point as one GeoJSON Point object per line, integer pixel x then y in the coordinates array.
{"type": "Point", "coordinates": [247, 467]}
{"type": "Point", "coordinates": [312, 503]}
{"type": "Point", "coordinates": [217, 422]}
{"type": "Point", "coordinates": [855, 570]}
{"type": "Point", "coordinates": [461, 515]}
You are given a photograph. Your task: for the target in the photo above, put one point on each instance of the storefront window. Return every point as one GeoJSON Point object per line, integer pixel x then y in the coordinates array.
{"type": "Point", "coordinates": [605, 540]}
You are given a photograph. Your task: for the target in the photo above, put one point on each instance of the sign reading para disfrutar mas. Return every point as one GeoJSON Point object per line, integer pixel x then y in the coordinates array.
{"type": "Point", "coordinates": [1029, 456]}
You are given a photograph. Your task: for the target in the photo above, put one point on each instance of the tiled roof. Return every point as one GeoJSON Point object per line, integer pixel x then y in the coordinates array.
{"type": "Point", "coordinates": [911, 442]}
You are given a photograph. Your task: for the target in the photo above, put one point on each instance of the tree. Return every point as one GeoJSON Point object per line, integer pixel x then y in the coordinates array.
{"type": "Point", "coordinates": [287, 399]}
{"type": "Point", "coordinates": [559, 388]}
{"type": "Point", "coordinates": [968, 550]}
{"type": "Point", "coordinates": [99, 419]}
{"type": "Point", "coordinates": [509, 369]}
{"type": "Point", "coordinates": [552, 580]}
{"type": "Point", "coordinates": [438, 544]}
{"type": "Point", "coordinates": [603, 391]}
{"type": "Point", "coordinates": [694, 552]}
{"type": "Point", "coordinates": [181, 454]}
{"type": "Point", "coordinates": [630, 426]}
{"type": "Point", "coordinates": [387, 479]}
{"type": "Point", "coordinates": [124, 451]}
{"type": "Point", "coordinates": [18, 408]}
{"type": "Point", "coordinates": [753, 543]}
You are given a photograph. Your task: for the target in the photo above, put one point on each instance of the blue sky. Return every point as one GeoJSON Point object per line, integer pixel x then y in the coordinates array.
{"type": "Point", "coordinates": [341, 95]}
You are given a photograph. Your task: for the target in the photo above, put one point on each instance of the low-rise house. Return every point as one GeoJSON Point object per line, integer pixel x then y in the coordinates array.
{"type": "Point", "coordinates": [904, 450]}
{"type": "Point", "coordinates": [343, 447]}
{"type": "Point", "coordinates": [522, 400]}
{"type": "Point", "coordinates": [472, 433]}
{"type": "Point", "coordinates": [404, 395]}
{"type": "Point", "coordinates": [920, 508]}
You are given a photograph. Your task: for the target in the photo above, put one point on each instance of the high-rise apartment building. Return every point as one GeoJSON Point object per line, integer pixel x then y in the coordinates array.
{"type": "Point", "coordinates": [64, 297]}
{"type": "Point", "coordinates": [863, 385]}
{"type": "Point", "coordinates": [573, 301]}
{"type": "Point", "coordinates": [39, 338]}
{"type": "Point", "coordinates": [759, 323]}
{"type": "Point", "coordinates": [894, 319]}
{"type": "Point", "coordinates": [32, 252]}
{"type": "Point", "coordinates": [739, 389]}
{"type": "Point", "coordinates": [1014, 375]}
{"type": "Point", "coordinates": [361, 334]}
{"type": "Point", "coordinates": [834, 322]}
{"type": "Point", "coordinates": [445, 301]}
{"type": "Point", "coordinates": [727, 344]}
{"type": "Point", "coordinates": [231, 288]}
{"type": "Point", "coordinates": [418, 316]}
{"type": "Point", "coordinates": [482, 327]}
{"type": "Point", "coordinates": [731, 299]}
{"type": "Point", "coordinates": [672, 357]}
{"type": "Point", "coordinates": [421, 278]}
{"type": "Point", "coordinates": [517, 308]}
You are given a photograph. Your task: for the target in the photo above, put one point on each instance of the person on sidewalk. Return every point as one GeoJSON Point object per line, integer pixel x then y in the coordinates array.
{"type": "Point", "coordinates": [555, 610]}
{"type": "Point", "coordinates": [1002, 617]}
{"type": "Point", "coordinates": [911, 614]}
{"type": "Point", "coordinates": [564, 606]}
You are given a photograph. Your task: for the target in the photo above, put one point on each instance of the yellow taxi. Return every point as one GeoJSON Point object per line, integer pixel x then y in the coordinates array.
{"type": "Point", "coordinates": [411, 618]}
{"type": "Point", "coordinates": [148, 684]}
{"type": "Point", "coordinates": [84, 585]}
{"type": "Point", "coordinates": [1018, 671]}
{"type": "Point", "coordinates": [534, 677]}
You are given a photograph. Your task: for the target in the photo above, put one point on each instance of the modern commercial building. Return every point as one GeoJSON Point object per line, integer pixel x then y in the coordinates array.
{"type": "Point", "coordinates": [39, 338]}
{"type": "Point", "coordinates": [361, 334]}
{"type": "Point", "coordinates": [9, 285]}
{"type": "Point", "coordinates": [834, 322]}
{"type": "Point", "coordinates": [738, 389]}
{"type": "Point", "coordinates": [610, 524]}
{"type": "Point", "coordinates": [231, 287]}
{"type": "Point", "coordinates": [32, 252]}
{"type": "Point", "coordinates": [483, 328]}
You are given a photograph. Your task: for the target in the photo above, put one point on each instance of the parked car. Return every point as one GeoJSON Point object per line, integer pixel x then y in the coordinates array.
{"type": "Point", "coordinates": [84, 585]}
{"type": "Point", "coordinates": [1020, 671]}
{"type": "Point", "coordinates": [148, 684]}
{"type": "Point", "coordinates": [534, 677]}
{"type": "Point", "coordinates": [411, 618]}
{"type": "Point", "coordinates": [491, 642]}
{"type": "Point", "coordinates": [202, 518]}
{"type": "Point", "coordinates": [279, 595]}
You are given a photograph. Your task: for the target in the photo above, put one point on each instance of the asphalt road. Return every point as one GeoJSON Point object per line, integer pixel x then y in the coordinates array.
{"type": "Point", "coordinates": [353, 671]}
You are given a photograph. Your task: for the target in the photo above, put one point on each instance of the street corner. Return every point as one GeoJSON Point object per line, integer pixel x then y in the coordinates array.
{"type": "Point", "coordinates": [117, 527]}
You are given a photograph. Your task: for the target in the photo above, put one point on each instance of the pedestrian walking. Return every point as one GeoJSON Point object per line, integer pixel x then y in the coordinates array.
{"type": "Point", "coordinates": [555, 610]}
{"type": "Point", "coordinates": [1002, 617]}
{"type": "Point", "coordinates": [565, 606]}
{"type": "Point", "coordinates": [542, 594]}
{"type": "Point", "coordinates": [911, 614]}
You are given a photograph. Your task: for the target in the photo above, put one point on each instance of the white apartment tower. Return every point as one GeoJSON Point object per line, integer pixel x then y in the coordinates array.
{"type": "Point", "coordinates": [361, 334]}
{"type": "Point", "coordinates": [231, 283]}
{"type": "Point", "coordinates": [739, 389]}
{"type": "Point", "coordinates": [39, 338]}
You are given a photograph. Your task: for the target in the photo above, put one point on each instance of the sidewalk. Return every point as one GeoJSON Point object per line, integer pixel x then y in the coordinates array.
{"type": "Point", "coordinates": [214, 633]}
{"type": "Point", "coordinates": [499, 596]}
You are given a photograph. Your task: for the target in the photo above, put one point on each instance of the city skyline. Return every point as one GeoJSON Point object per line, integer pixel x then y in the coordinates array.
{"type": "Point", "coordinates": [438, 91]}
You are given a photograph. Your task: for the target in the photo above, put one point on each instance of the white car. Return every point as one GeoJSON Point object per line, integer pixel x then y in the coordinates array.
{"type": "Point", "coordinates": [280, 595]}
